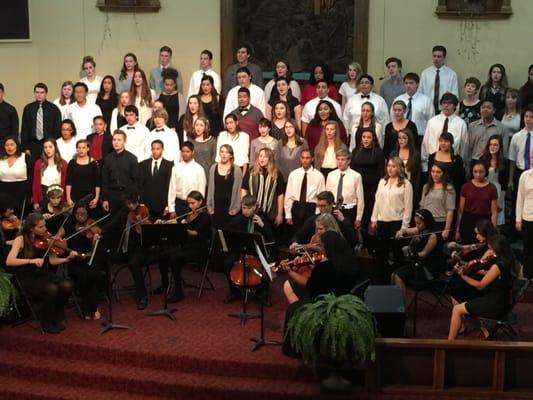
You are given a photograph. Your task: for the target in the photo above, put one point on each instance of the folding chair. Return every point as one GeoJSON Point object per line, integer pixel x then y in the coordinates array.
{"type": "Point", "coordinates": [505, 324]}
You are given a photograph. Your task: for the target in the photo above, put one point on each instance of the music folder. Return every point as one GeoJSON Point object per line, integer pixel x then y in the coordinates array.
{"type": "Point", "coordinates": [161, 234]}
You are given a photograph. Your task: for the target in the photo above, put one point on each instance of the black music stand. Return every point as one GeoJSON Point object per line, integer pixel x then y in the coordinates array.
{"type": "Point", "coordinates": [163, 235]}
{"type": "Point", "coordinates": [244, 244]}
{"type": "Point", "coordinates": [109, 325]}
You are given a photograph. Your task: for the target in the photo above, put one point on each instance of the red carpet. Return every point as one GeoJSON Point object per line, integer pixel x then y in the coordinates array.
{"type": "Point", "coordinates": [203, 355]}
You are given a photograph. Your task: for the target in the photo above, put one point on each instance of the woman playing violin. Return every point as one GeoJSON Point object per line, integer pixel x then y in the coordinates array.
{"type": "Point", "coordinates": [195, 248]}
{"type": "Point", "coordinates": [89, 279]}
{"type": "Point", "coordinates": [423, 252]}
{"type": "Point", "coordinates": [26, 261]}
{"type": "Point", "coordinates": [492, 291]}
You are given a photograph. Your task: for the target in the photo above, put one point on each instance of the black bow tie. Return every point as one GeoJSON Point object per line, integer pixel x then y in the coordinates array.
{"type": "Point", "coordinates": [159, 130]}
{"type": "Point", "coordinates": [130, 127]}
{"type": "Point", "coordinates": [242, 109]}
{"type": "Point", "coordinates": [365, 96]}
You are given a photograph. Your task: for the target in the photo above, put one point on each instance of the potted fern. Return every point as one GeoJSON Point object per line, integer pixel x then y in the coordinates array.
{"type": "Point", "coordinates": [336, 333]}
{"type": "Point", "coordinates": [8, 294]}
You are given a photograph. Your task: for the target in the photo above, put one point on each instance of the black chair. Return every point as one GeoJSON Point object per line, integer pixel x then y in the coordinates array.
{"type": "Point", "coordinates": [202, 266]}
{"type": "Point", "coordinates": [118, 263]}
{"type": "Point", "coordinates": [505, 324]}
{"type": "Point", "coordinates": [25, 300]}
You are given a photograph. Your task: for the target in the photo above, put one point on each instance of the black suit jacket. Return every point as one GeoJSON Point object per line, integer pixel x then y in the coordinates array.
{"type": "Point", "coordinates": [51, 122]}
{"type": "Point", "coordinates": [153, 190]}
{"type": "Point", "coordinates": [107, 143]}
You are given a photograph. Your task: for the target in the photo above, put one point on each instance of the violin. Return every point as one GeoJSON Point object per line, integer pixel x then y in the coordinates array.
{"type": "Point", "coordinates": [89, 228]}
{"type": "Point", "coordinates": [139, 216]}
{"type": "Point", "coordinates": [305, 260]}
{"type": "Point", "coordinates": [186, 218]}
{"type": "Point", "coordinates": [47, 241]}
{"type": "Point", "coordinates": [251, 269]}
{"type": "Point", "coordinates": [11, 223]}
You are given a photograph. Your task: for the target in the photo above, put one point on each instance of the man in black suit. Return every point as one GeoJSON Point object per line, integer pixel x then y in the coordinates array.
{"type": "Point", "coordinates": [9, 119]}
{"type": "Point", "coordinates": [154, 178]}
{"type": "Point", "coordinates": [40, 120]}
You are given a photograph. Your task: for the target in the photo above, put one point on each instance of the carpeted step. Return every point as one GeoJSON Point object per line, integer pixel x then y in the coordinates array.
{"type": "Point", "coordinates": [22, 389]}
{"type": "Point", "coordinates": [151, 382]}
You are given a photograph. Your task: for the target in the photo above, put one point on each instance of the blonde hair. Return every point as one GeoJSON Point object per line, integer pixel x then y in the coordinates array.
{"type": "Point", "coordinates": [322, 146]}
{"type": "Point", "coordinates": [271, 166]}
{"type": "Point", "coordinates": [329, 223]}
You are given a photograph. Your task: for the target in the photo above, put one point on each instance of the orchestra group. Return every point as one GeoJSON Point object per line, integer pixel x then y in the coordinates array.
{"type": "Point", "coordinates": [411, 174]}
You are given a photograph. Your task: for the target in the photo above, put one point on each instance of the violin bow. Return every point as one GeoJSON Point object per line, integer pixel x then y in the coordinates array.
{"type": "Point", "coordinates": [88, 227]}
{"type": "Point", "coordinates": [423, 234]}
{"type": "Point", "coordinates": [52, 241]}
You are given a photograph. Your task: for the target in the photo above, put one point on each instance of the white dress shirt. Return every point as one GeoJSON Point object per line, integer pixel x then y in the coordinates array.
{"type": "Point", "coordinates": [393, 203]}
{"type": "Point", "coordinates": [352, 112]}
{"type": "Point", "coordinates": [171, 143]}
{"type": "Point", "coordinates": [309, 110]}
{"type": "Point", "coordinates": [136, 138]}
{"type": "Point", "coordinates": [83, 118]}
{"type": "Point", "coordinates": [315, 185]}
{"type": "Point", "coordinates": [421, 110]}
{"type": "Point", "coordinates": [186, 177]}
{"type": "Point", "coordinates": [257, 98]}
{"type": "Point", "coordinates": [430, 144]}
{"type": "Point", "coordinates": [196, 81]}
{"type": "Point", "coordinates": [524, 197]}
{"type": "Point", "coordinates": [352, 189]}
{"type": "Point", "coordinates": [517, 148]}
{"type": "Point", "coordinates": [293, 85]}
{"type": "Point", "coordinates": [67, 150]}
{"type": "Point", "coordinates": [240, 145]}
{"type": "Point", "coordinates": [447, 78]}
{"type": "Point", "coordinates": [94, 87]}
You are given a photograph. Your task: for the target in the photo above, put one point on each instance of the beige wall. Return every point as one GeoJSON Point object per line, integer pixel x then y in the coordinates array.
{"type": "Point", "coordinates": [63, 31]}
{"type": "Point", "coordinates": [408, 29]}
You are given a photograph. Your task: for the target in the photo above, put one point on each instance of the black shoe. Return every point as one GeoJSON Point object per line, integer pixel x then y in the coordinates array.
{"type": "Point", "coordinates": [177, 296]}
{"type": "Point", "coordinates": [60, 324]}
{"type": "Point", "coordinates": [49, 327]}
{"type": "Point", "coordinates": [142, 303]}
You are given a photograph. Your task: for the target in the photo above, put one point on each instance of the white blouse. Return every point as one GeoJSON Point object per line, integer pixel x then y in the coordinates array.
{"type": "Point", "coordinates": [393, 203]}
{"type": "Point", "coordinates": [51, 176]}
{"type": "Point", "coordinates": [14, 173]}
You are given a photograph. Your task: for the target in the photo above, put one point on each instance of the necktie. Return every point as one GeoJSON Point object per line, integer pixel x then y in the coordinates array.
{"type": "Point", "coordinates": [159, 130]}
{"type": "Point", "coordinates": [445, 126]}
{"type": "Point", "coordinates": [39, 129]}
{"type": "Point", "coordinates": [409, 108]}
{"type": "Point", "coordinates": [527, 152]}
{"type": "Point", "coordinates": [436, 94]}
{"type": "Point", "coordinates": [303, 189]}
{"type": "Point", "coordinates": [340, 199]}
{"type": "Point", "coordinates": [154, 171]}
{"type": "Point", "coordinates": [250, 226]}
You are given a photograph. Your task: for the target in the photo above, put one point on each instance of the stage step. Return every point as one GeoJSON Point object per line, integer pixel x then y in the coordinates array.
{"type": "Point", "coordinates": [107, 377]}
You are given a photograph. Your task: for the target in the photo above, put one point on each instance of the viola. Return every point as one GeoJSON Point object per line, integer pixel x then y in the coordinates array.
{"type": "Point", "coordinates": [139, 216]}
{"type": "Point", "coordinates": [238, 272]}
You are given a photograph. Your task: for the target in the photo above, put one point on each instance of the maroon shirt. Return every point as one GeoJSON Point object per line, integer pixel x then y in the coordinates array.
{"type": "Point", "coordinates": [96, 147]}
{"type": "Point", "coordinates": [478, 199]}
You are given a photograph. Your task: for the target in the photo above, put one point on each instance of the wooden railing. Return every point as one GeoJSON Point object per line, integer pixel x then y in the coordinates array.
{"type": "Point", "coordinates": [461, 368]}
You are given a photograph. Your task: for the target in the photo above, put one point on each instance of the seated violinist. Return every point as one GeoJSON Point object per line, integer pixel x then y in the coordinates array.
{"type": "Point", "coordinates": [423, 261]}
{"type": "Point", "coordinates": [250, 220]}
{"type": "Point", "coordinates": [130, 219]}
{"type": "Point", "coordinates": [89, 279]}
{"type": "Point", "coordinates": [196, 247]}
{"type": "Point", "coordinates": [55, 208]}
{"type": "Point", "coordinates": [491, 293]}
{"type": "Point", "coordinates": [325, 204]}
{"type": "Point", "coordinates": [28, 260]}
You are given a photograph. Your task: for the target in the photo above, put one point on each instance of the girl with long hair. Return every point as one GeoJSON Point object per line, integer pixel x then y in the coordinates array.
{"type": "Point", "coordinates": [15, 173]}
{"type": "Point", "coordinates": [283, 93]}
{"type": "Point", "coordinates": [237, 139]}
{"type": "Point", "coordinates": [327, 147]}
{"type": "Point", "coordinates": [107, 99]}
{"type": "Point", "coordinates": [282, 69]}
{"type": "Point", "coordinates": [398, 123]}
{"type": "Point", "coordinates": [66, 97]}
{"type": "Point", "coordinates": [66, 144]}
{"type": "Point", "coordinates": [265, 182]}
{"type": "Point", "coordinates": [211, 103]}
{"type": "Point", "coordinates": [324, 112]}
{"type": "Point", "coordinates": [280, 115]}
{"type": "Point", "coordinates": [406, 150]}
{"type": "Point", "coordinates": [193, 110]}
{"type": "Point", "coordinates": [125, 77]}
{"type": "Point", "coordinates": [319, 72]}
{"type": "Point", "coordinates": [91, 79]}
{"type": "Point", "coordinates": [368, 121]}
{"type": "Point", "coordinates": [511, 117]}
{"type": "Point", "coordinates": [83, 176]}
{"type": "Point", "coordinates": [264, 140]}
{"type": "Point", "coordinates": [291, 147]}
{"type": "Point", "coordinates": [494, 89]}
{"type": "Point", "coordinates": [118, 119]}
{"type": "Point", "coordinates": [141, 95]}
{"type": "Point", "coordinates": [205, 145]}
{"type": "Point", "coordinates": [349, 86]}
{"type": "Point", "coordinates": [49, 169]}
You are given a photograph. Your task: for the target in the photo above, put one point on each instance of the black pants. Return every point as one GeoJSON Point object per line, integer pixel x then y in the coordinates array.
{"type": "Point", "coordinates": [384, 244]}
{"type": "Point", "coordinates": [350, 214]}
{"type": "Point", "coordinates": [89, 282]}
{"type": "Point", "coordinates": [527, 237]}
{"type": "Point", "coordinates": [173, 258]}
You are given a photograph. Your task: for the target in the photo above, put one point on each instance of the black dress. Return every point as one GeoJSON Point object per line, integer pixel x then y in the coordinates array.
{"type": "Point", "coordinates": [107, 106]}
{"type": "Point", "coordinates": [469, 113]}
{"type": "Point", "coordinates": [171, 103]}
{"type": "Point", "coordinates": [82, 178]}
{"type": "Point", "coordinates": [370, 163]}
{"type": "Point", "coordinates": [390, 142]}
{"type": "Point", "coordinates": [222, 196]}
{"type": "Point", "coordinates": [214, 116]}
{"type": "Point", "coordinates": [454, 170]}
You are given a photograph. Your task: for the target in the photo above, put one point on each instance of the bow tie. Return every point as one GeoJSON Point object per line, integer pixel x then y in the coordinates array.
{"type": "Point", "coordinates": [365, 96]}
{"type": "Point", "coordinates": [243, 109]}
{"type": "Point", "coordinates": [159, 130]}
{"type": "Point", "coordinates": [130, 127]}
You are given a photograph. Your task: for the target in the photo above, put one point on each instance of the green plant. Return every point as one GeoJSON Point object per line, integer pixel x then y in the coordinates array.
{"type": "Point", "coordinates": [8, 293]}
{"type": "Point", "coordinates": [333, 330]}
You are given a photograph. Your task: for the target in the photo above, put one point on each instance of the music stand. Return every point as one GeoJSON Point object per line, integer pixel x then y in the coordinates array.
{"type": "Point", "coordinates": [163, 235]}
{"type": "Point", "coordinates": [244, 244]}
